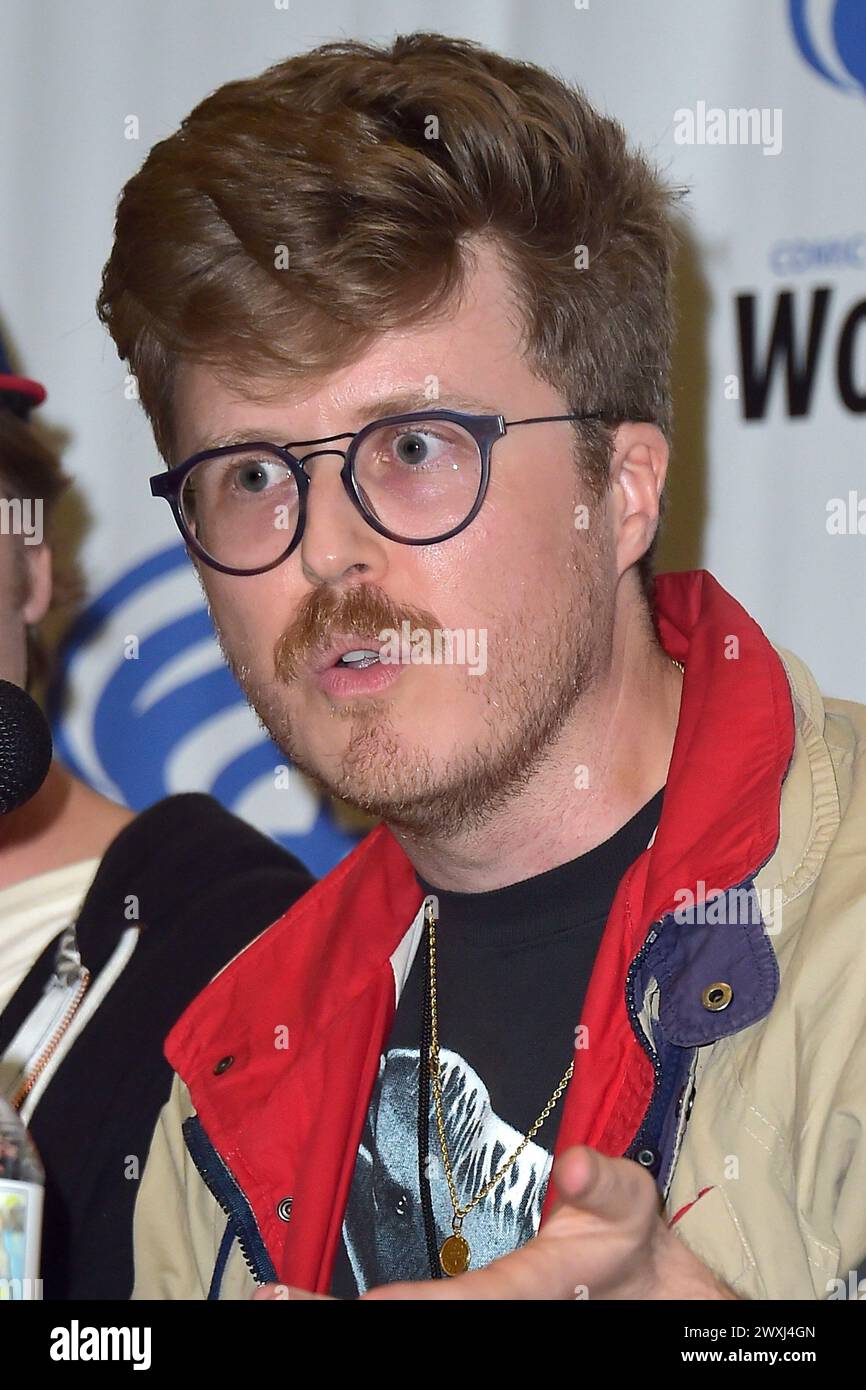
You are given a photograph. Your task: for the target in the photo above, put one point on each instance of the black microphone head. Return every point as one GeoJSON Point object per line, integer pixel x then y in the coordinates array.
{"type": "Point", "coordinates": [25, 747]}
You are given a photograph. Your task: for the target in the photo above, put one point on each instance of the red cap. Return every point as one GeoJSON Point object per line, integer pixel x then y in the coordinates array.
{"type": "Point", "coordinates": [18, 391]}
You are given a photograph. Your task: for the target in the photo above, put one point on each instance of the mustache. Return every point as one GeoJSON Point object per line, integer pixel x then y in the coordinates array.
{"type": "Point", "coordinates": [325, 614]}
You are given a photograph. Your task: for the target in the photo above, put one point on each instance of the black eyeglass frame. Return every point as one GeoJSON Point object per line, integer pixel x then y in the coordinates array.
{"type": "Point", "coordinates": [485, 430]}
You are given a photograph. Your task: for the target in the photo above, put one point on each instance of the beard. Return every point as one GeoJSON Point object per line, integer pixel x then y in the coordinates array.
{"type": "Point", "coordinates": [549, 658]}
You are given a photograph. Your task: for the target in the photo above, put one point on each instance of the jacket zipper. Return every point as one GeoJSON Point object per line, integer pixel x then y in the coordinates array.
{"type": "Point", "coordinates": [636, 1025]}
{"type": "Point", "coordinates": [210, 1180]}
{"type": "Point", "coordinates": [208, 1177]}
{"type": "Point", "coordinates": [51, 1046]}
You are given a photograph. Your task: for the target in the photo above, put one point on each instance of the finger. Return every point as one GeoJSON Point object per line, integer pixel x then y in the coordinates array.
{"type": "Point", "coordinates": [431, 1291]}
{"type": "Point", "coordinates": [531, 1272]}
{"type": "Point", "coordinates": [613, 1190]}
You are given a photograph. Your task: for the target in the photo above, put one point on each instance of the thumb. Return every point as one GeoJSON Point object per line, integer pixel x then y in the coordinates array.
{"type": "Point", "coordinates": [607, 1188]}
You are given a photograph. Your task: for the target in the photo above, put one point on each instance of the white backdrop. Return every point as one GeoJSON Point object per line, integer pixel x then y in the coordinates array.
{"type": "Point", "coordinates": [778, 252]}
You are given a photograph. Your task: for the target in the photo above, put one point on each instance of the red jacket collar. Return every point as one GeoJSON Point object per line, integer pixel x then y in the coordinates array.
{"type": "Point", "coordinates": [305, 1010]}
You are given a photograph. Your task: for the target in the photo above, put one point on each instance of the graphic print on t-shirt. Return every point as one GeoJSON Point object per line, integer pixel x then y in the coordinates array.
{"type": "Point", "coordinates": [383, 1229]}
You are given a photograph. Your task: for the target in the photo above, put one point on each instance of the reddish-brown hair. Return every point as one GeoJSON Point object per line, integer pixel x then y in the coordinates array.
{"type": "Point", "coordinates": [366, 168]}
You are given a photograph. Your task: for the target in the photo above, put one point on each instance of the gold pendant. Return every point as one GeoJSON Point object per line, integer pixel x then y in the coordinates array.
{"type": "Point", "coordinates": [454, 1255]}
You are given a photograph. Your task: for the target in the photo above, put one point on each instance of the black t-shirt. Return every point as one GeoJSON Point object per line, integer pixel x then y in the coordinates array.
{"type": "Point", "coordinates": [512, 968]}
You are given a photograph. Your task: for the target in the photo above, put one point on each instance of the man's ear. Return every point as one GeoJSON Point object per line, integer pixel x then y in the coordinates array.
{"type": "Point", "coordinates": [638, 470]}
{"type": "Point", "coordinates": [37, 561]}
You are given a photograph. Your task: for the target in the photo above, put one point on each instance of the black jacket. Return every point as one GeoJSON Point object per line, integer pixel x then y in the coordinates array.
{"type": "Point", "coordinates": [207, 884]}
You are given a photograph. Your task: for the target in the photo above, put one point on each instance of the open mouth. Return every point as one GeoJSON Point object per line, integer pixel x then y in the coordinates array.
{"type": "Point", "coordinates": [359, 659]}
{"type": "Point", "coordinates": [349, 671]}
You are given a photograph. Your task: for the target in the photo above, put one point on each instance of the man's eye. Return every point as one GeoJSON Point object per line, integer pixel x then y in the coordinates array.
{"type": "Point", "coordinates": [418, 447]}
{"type": "Point", "coordinates": [257, 475]}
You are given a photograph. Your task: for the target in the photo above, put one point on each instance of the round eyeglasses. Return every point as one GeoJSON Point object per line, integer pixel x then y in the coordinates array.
{"type": "Point", "coordinates": [418, 479]}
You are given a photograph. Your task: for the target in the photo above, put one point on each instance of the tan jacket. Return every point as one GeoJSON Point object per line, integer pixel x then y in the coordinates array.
{"type": "Point", "coordinates": [762, 1164]}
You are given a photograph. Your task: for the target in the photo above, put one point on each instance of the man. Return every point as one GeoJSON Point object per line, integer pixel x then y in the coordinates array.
{"type": "Point", "coordinates": [110, 923]}
{"type": "Point", "coordinates": [401, 319]}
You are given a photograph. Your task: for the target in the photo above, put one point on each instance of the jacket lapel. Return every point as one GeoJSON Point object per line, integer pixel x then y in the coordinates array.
{"type": "Point", "coordinates": [719, 823]}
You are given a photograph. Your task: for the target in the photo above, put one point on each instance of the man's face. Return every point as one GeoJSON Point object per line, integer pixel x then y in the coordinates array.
{"type": "Point", "coordinates": [437, 748]}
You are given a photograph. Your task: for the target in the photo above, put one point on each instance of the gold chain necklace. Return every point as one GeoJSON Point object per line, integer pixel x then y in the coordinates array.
{"type": "Point", "coordinates": [454, 1252]}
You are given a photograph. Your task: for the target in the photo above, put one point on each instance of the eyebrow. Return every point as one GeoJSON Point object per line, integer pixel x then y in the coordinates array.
{"type": "Point", "coordinates": [376, 408]}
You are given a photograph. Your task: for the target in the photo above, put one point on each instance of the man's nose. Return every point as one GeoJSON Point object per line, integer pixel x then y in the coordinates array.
{"type": "Point", "coordinates": [336, 539]}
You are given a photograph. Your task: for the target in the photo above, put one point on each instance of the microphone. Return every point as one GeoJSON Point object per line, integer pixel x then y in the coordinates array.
{"type": "Point", "coordinates": [25, 747]}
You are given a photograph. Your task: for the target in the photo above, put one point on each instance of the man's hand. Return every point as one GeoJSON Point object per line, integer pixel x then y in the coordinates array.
{"type": "Point", "coordinates": [605, 1238]}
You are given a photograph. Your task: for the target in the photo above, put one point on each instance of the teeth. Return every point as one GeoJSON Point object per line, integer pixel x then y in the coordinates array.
{"type": "Point", "coordinates": [360, 658]}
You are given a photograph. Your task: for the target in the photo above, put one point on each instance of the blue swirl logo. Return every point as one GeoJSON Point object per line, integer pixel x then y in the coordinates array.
{"type": "Point", "coordinates": [142, 705]}
{"type": "Point", "coordinates": [831, 35]}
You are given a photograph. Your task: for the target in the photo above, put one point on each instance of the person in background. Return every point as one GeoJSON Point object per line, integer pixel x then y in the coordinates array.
{"type": "Point", "coordinates": [110, 923]}
{"type": "Point", "coordinates": [66, 825]}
